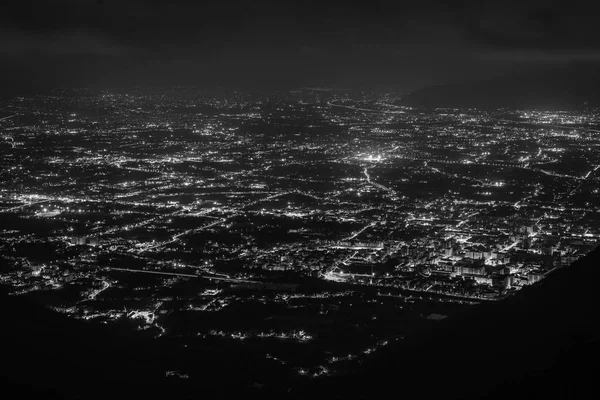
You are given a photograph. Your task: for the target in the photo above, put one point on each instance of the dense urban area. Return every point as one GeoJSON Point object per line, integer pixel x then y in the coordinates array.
{"type": "Point", "coordinates": [315, 226]}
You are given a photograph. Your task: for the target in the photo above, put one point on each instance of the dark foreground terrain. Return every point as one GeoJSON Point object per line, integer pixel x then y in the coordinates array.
{"type": "Point", "coordinates": [542, 341]}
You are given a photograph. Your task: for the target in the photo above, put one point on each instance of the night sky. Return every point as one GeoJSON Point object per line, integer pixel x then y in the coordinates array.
{"type": "Point", "coordinates": [396, 44]}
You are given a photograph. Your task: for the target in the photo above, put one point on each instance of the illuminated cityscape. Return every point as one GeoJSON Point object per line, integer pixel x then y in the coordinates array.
{"type": "Point", "coordinates": [267, 199]}
{"type": "Point", "coordinates": [317, 225]}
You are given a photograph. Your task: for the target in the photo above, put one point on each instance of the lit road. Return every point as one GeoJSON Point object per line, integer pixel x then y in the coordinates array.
{"type": "Point", "coordinates": [180, 235]}
{"type": "Point", "coordinates": [439, 171]}
{"type": "Point", "coordinates": [591, 172]}
{"type": "Point", "coordinates": [584, 178]}
{"type": "Point", "coordinates": [332, 104]}
{"type": "Point", "coordinates": [493, 164]}
{"type": "Point", "coordinates": [95, 293]}
{"type": "Point", "coordinates": [380, 186]}
{"type": "Point", "coordinates": [575, 128]}
{"type": "Point", "coordinates": [177, 237]}
{"type": "Point", "coordinates": [221, 221]}
{"type": "Point", "coordinates": [274, 196]}
{"type": "Point", "coordinates": [464, 221]}
{"type": "Point", "coordinates": [345, 262]}
{"type": "Point", "coordinates": [517, 204]}
{"type": "Point", "coordinates": [136, 225]}
{"type": "Point", "coordinates": [510, 246]}
{"type": "Point", "coordinates": [361, 231]}
{"type": "Point", "coordinates": [366, 172]}
{"type": "Point", "coordinates": [26, 205]}
{"type": "Point", "coordinates": [181, 275]}
{"type": "Point", "coordinates": [11, 139]}
{"type": "Point", "coordinates": [333, 268]}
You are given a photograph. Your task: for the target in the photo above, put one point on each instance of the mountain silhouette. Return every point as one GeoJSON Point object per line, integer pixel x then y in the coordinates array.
{"type": "Point", "coordinates": [553, 88]}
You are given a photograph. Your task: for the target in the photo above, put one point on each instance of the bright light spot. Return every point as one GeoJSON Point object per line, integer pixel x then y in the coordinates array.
{"type": "Point", "coordinates": [373, 158]}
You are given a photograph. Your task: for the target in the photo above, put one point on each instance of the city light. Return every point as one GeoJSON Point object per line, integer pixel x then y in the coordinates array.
{"type": "Point", "coordinates": [268, 221]}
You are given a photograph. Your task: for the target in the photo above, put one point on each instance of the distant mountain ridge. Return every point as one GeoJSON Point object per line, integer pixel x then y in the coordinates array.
{"type": "Point", "coordinates": [556, 88]}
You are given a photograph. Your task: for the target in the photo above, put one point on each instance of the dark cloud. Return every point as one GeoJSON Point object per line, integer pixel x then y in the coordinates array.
{"type": "Point", "coordinates": [545, 57]}
{"type": "Point", "coordinates": [61, 44]}
{"type": "Point", "coordinates": [238, 42]}
{"type": "Point", "coordinates": [549, 25]}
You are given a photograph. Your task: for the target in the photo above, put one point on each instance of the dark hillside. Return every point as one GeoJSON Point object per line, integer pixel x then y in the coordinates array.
{"type": "Point", "coordinates": [541, 342]}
